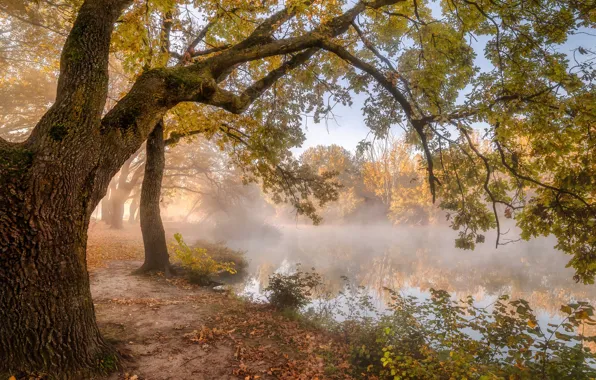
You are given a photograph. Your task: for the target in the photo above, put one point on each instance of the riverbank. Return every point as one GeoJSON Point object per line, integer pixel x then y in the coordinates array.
{"type": "Point", "coordinates": [169, 329]}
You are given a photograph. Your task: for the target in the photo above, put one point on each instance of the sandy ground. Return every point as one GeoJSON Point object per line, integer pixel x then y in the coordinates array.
{"type": "Point", "coordinates": [146, 318]}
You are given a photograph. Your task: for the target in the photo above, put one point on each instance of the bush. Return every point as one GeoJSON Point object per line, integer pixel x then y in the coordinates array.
{"type": "Point", "coordinates": [222, 253]}
{"type": "Point", "coordinates": [292, 291]}
{"type": "Point", "coordinates": [441, 338]}
{"type": "Point", "coordinates": [200, 265]}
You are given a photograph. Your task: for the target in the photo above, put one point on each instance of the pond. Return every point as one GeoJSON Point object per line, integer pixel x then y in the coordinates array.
{"type": "Point", "coordinates": [413, 260]}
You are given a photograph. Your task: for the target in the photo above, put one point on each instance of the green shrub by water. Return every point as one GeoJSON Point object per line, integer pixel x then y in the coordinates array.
{"type": "Point", "coordinates": [444, 338]}
{"type": "Point", "coordinates": [201, 266]}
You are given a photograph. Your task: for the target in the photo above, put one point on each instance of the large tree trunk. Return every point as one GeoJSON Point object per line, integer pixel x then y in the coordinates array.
{"type": "Point", "coordinates": [154, 237]}
{"type": "Point", "coordinates": [47, 319]}
{"type": "Point", "coordinates": [49, 187]}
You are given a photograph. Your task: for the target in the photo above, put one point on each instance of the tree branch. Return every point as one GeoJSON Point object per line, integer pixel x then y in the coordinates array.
{"type": "Point", "coordinates": [190, 51]}
{"type": "Point", "coordinates": [214, 49]}
{"type": "Point", "coordinates": [343, 53]}
{"type": "Point", "coordinates": [175, 136]}
{"type": "Point", "coordinates": [246, 51]}
{"type": "Point", "coordinates": [83, 70]}
{"type": "Point", "coordinates": [263, 32]}
{"type": "Point", "coordinates": [128, 124]}
{"type": "Point", "coordinates": [31, 22]}
{"type": "Point", "coordinates": [166, 31]}
{"type": "Point", "coordinates": [239, 103]}
{"type": "Point", "coordinates": [417, 124]}
{"type": "Point", "coordinates": [369, 45]}
{"type": "Point", "coordinates": [486, 182]}
{"type": "Point", "coordinates": [536, 182]}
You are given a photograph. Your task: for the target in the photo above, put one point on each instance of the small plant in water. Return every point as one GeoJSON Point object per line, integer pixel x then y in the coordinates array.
{"type": "Point", "coordinates": [292, 291]}
{"type": "Point", "coordinates": [200, 265]}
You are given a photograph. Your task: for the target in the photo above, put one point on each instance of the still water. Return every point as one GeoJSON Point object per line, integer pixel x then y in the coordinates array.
{"type": "Point", "coordinates": [413, 260]}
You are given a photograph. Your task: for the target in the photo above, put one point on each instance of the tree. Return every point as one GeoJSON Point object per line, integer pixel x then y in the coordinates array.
{"type": "Point", "coordinates": [338, 160]}
{"type": "Point", "coordinates": [392, 171]}
{"type": "Point", "coordinates": [121, 188]}
{"type": "Point", "coordinates": [154, 237]}
{"type": "Point", "coordinates": [51, 182]}
{"type": "Point", "coordinates": [187, 168]}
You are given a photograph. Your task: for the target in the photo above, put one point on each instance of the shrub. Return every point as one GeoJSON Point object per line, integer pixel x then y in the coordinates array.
{"type": "Point", "coordinates": [441, 338]}
{"type": "Point", "coordinates": [292, 291]}
{"type": "Point", "coordinates": [200, 265]}
{"type": "Point", "coordinates": [222, 253]}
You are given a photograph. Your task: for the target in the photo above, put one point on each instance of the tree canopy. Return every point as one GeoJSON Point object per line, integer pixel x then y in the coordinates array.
{"type": "Point", "coordinates": [511, 137]}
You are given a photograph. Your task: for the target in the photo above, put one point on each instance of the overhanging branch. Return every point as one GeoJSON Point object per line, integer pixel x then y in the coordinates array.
{"type": "Point", "coordinates": [239, 103]}
{"type": "Point", "coordinates": [344, 54]}
{"type": "Point", "coordinates": [176, 136]}
{"type": "Point", "coordinates": [263, 32]}
{"type": "Point", "coordinates": [382, 79]}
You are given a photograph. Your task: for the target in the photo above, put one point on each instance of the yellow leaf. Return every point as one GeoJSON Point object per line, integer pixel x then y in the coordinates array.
{"type": "Point", "coordinates": [582, 315]}
{"type": "Point", "coordinates": [532, 324]}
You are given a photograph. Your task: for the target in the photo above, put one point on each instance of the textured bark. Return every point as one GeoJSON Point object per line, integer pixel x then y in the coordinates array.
{"type": "Point", "coordinates": [47, 319]}
{"type": "Point", "coordinates": [154, 236]}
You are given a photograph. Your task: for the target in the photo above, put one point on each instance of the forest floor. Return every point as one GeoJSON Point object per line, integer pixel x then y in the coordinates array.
{"type": "Point", "coordinates": [170, 329]}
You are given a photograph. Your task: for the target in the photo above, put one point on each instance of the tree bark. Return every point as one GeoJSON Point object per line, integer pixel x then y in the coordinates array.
{"type": "Point", "coordinates": [154, 236]}
{"type": "Point", "coordinates": [48, 191]}
{"type": "Point", "coordinates": [47, 318]}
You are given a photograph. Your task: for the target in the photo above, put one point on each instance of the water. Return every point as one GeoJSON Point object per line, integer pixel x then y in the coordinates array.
{"type": "Point", "coordinates": [413, 260]}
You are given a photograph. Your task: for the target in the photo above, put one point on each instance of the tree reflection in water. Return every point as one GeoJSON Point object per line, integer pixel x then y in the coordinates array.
{"type": "Point", "coordinates": [415, 259]}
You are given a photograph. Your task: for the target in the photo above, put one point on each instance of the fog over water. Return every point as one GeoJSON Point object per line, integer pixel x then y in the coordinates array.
{"type": "Point", "coordinates": [412, 260]}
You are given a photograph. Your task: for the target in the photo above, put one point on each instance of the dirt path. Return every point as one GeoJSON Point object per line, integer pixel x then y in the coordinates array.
{"type": "Point", "coordinates": [169, 329]}
{"type": "Point", "coordinates": [146, 318]}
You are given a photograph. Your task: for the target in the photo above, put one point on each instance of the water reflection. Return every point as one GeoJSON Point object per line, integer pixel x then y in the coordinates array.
{"type": "Point", "coordinates": [415, 259]}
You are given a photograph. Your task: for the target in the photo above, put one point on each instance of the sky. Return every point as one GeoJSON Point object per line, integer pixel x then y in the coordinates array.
{"type": "Point", "coordinates": [348, 129]}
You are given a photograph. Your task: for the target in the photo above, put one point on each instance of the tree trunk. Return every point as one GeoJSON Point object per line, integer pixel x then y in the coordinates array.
{"type": "Point", "coordinates": [121, 190]}
{"type": "Point", "coordinates": [154, 236]}
{"type": "Point", "coordinates": [117, 201]}
{"type": "Point", "coordinates": [106, 207]}
{"type": "Point", "coordinates": [132, 211]}
{"type": "Point", "coordinates": [47, 318]}
{"type": "Point", "coordinates": [49, 186]}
